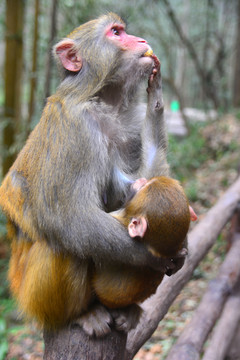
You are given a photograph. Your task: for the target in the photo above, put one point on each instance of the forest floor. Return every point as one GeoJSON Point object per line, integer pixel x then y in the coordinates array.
{"type": "Point", "coordinates": [207, 183]}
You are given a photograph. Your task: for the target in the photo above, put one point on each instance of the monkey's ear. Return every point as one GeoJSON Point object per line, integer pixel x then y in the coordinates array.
{"type": "Point", "coordinates": [193, 215]}
{"type": "Point", "coordinates": [137, 227]}
{"type": "Point", "coordinates": [68, 55]}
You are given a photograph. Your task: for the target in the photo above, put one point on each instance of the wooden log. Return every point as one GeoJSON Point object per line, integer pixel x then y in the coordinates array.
{"type": "Point", "coordinates": [207, 313]}
{"type": "Point", "coordinates": [225, 329]}
{"type": "Point", "coordinates": [73, 343]}
{"type": "Point", "coordinates": [233, 352]}
{"type": "Point", "coordinates": [234, 348]}
{"type": "Point", "coordinates": [201, 239]}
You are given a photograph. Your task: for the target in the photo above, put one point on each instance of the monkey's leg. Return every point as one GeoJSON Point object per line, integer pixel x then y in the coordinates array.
{"type": "Point", "coordinates": [97, 321]}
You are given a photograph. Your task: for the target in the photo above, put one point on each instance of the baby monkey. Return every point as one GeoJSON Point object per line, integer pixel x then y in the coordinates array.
{"type": "Point", "coordinates": [159, 215]}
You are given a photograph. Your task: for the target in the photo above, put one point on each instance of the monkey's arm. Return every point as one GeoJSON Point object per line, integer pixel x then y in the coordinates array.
{"type": "Point", "coordinates": [154, 135]}
{"type": "Point", "coordinates": [84, 229]}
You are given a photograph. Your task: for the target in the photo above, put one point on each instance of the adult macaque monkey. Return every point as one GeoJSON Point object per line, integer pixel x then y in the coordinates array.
{"type": "Point", "coordinates": [71, 171]}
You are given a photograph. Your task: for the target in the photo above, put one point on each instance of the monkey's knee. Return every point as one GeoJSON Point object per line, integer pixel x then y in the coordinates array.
{"type": "Point", "coordinates": [96, 322]}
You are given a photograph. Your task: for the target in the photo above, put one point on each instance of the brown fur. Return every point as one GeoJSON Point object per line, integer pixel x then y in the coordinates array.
{"type": "Point", "coordinates": [59, 296]}
{"type": "Point", "coordinates": [165, 206]}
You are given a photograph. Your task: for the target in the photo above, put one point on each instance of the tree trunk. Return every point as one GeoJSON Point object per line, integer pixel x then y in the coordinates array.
{"type": "Point", "coordinates": [236, 84]}
{"type": "Point", "coordinates": [53, 31]}
{"type": "Point", "coordinates": [33, 83]}
{"type": "Point", "coordinates": [74, 344]}
{"type": "Point", "coordinates": [13, 72]}
{"type": "Point", "coordinates": [205, 78]}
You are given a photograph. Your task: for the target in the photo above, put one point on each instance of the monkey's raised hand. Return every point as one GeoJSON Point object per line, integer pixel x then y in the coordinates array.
{"type": "Point", "coordinates": [155, 77]}
{"type": "Point", "coordinates": [154, 132]}
{"type": "Point", "coordinates": [154, 88]}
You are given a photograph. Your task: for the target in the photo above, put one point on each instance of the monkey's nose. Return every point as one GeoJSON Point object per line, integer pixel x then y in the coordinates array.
{"type": "Point", "coordinates": [141, 40]}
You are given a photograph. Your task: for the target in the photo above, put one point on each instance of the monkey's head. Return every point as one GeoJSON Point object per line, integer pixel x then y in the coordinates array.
{"type": "Point", "coordinates": [158, 214]}
{"type": "Point", "coordinates": [101, 52]}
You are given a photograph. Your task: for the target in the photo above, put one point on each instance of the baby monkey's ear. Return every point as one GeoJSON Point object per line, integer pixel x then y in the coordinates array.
{"type": "Point", "coordinates": [137, 227]}
{"type": "Point", "coordinates": [193, 215]}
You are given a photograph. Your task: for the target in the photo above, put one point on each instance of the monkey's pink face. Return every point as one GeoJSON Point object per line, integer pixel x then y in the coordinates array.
{"type": "Point", "coordinates": [117, 34]}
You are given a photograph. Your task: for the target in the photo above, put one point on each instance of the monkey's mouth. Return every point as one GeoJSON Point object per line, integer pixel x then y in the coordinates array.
{"type": "Point", "coordinates": [146, 58]}
{"type": "Point", "coordinates": [149, 53]}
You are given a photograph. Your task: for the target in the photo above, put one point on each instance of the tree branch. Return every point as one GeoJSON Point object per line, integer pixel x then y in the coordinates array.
{"type": "Point", "coordinates": [191, 341]}
{"type": "Point", "coordinates": [229, 320]}
{"type": "Point", "coordinates": [207, 84]}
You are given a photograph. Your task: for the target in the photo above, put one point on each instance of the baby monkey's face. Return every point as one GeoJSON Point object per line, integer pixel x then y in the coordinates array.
{"type": "Point", "coordinates": [158, 213]}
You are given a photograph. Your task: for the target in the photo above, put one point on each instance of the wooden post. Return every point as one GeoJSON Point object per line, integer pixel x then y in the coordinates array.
{"type": "Point", "coordinates": [73, 344]}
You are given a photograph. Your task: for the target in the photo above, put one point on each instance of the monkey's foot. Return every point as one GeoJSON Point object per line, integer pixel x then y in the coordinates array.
{"type": "Point", "coordinates": [96, 321]}
{"type": "Point", "coordinates": [127, 318]}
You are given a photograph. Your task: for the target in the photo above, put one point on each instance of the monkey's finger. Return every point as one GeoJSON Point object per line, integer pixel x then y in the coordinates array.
{"type": "Point", "coordinates": [156, 61]}
{"type": "Point", "coordinates": [139, 183]}
{"type": "Point", "coordinates": [151, 78]}
{"type": "Point", "coordinates": [150, 82]}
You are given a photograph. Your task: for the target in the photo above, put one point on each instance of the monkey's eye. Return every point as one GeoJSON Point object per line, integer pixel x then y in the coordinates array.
{"type": "Point", "coordinates": [116, 31]}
